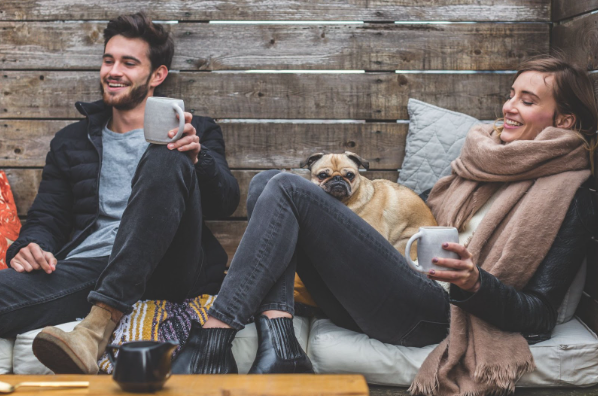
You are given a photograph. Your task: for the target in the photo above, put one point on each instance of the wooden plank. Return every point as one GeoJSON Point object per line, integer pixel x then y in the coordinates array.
{"type": "Point", "coordinates": [285, 145]}
{"type": "Point", "coordinates": [483, 46]}
{"type": "Point", "coordinates": [382, 96]}
{"type": "Point", "coordinates": [588, 312]}
{"type": "Point", "coordinates": [584, 33]}
{"type": "Point", "coordinates": [283, 10]}
{"type": "Point", "coordinates": [210, 385]}
{"type": "Point", "coordinates": [24, 143]}
{"type": "Point", "coordinates": [563, 9]}
{"type": "Point", "coordinates": [25, 182]}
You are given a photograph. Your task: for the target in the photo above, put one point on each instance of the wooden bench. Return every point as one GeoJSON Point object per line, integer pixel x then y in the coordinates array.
{"type": "Point", "coordinates": [275, 86]}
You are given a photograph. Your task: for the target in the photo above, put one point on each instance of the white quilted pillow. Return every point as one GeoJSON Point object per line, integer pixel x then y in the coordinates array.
{"type": "Point", "coordinates": [435, 138]}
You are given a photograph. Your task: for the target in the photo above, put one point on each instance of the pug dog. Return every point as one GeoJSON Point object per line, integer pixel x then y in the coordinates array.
{"type": "Point", "coordinates": [393, 210]}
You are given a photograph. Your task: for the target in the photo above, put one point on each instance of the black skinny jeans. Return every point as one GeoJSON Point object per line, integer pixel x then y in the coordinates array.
{"type": "Point", "coordinates": [354, 275]}
{"type": "Point", "coordinates": [157, 254]}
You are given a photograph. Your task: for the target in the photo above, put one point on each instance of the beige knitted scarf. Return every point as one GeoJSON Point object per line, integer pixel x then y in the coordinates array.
{"type": "Point", "coordinates": [535, 181]}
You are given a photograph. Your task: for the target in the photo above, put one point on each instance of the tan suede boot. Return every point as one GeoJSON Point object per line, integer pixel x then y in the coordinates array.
{"type": "Point", "coordinates": [78, 351]}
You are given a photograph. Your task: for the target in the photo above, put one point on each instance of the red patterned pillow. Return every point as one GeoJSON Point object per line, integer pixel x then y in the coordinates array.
{"type": "Point", "coordinates": [10, 225]}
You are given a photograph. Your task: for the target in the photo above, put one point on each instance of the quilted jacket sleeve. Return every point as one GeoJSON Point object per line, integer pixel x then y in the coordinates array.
{"type": "Point", "coordinates": [219, 189]}
{"type": "Point", "coordinates": [50, 219]}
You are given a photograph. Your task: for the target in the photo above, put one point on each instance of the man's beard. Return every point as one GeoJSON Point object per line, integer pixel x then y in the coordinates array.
{"type": "Point", "coordinates": [128, 101]}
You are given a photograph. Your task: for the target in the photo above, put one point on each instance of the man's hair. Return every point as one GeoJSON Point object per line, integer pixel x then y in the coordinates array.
{"type": "Point", "coordinates": [139, 25]}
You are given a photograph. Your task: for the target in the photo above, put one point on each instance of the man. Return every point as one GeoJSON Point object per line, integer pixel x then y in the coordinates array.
{"type": "Point", "coordinates": [115, 219]}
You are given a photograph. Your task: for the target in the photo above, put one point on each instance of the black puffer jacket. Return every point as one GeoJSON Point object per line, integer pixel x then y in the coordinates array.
{"type": "Point", "coordinates": [67, 203]}
{"type": "Point", "coordinates": [533, 310]}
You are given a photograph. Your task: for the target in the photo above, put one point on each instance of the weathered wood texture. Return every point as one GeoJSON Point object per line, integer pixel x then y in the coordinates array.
{"type": "Point", "coordinates": [485, 46]}
{"type": "Point", "coordinates": [382, 96]}
{"type": "Point", "coordinates": [284, 10]}
{"type": "Point", "coordinates": [563, 9]}
{"type": "Point", "coordinates": [578, 40]}
{"type": "Point", "coordinates": [25, 182]}
{"type": "Point", "coordinates": [248, 145]}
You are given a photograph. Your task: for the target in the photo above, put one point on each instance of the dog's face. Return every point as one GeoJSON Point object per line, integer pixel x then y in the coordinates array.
{"type": "Point", "coordinates": [337, 174]}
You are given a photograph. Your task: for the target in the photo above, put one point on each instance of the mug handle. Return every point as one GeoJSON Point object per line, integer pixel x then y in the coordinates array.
{"type": "Point", "coordinates": [110, 352]}
{"type": "Point", "coordinates": [179, 111]}
{"type": "Point", "coordinates": [411, 263]}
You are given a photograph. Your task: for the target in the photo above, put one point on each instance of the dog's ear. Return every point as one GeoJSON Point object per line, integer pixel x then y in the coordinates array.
{"type": "Point", "coordinates": [310, 160]}
{"type": "Point", "coordinates": [358, 160]}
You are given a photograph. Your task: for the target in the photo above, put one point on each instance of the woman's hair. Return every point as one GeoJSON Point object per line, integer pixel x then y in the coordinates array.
{"type": "Point", "coordinates": [574, 94]}
{"type": "Point", "coordinates": [139, 25]}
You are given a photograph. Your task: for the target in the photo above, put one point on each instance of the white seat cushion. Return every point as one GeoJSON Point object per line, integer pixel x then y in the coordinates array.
{"type": "Point", "coordinates": [24, 361]}
{"type": "Point", "coordinates": [569, 358]}
{"type": "Point", "coordinates": [6, 347]}
{"type": "Point", "coordinates": [244, 347]}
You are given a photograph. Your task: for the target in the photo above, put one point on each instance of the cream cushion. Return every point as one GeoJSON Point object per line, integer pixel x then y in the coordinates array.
{"type": "Point", "coordinates": [244, 348]}
{"type": "Point", "coordinates": [6, 347]}
{"type": "Point", "coordinates": [24, 362]}
{"type": "Point", "coordinates": [569, 358]}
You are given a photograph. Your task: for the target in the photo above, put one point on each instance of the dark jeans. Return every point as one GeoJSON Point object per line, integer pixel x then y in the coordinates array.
{"type": "Point", "coordinates": [157, 254]}
{"type": "Point", "coordinates": [354, 275]}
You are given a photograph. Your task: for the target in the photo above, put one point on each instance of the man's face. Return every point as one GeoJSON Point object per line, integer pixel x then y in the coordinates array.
{"type": "Point", "coordinates": [125, 73]}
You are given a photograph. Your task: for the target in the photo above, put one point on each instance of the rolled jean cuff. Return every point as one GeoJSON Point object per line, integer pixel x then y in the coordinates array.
{"type": "Point", "coordinates": [277, 307]}
{"type": "Point", "coordinates": [229, 320]}
{"type": "Point", "coordinates": [95, 297]}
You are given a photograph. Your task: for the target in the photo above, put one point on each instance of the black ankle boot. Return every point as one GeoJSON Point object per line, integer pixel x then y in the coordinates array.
{"type": "Point", "coordinates": [207, 351]}
{"type": "Point", "coordinates": [278, 350]}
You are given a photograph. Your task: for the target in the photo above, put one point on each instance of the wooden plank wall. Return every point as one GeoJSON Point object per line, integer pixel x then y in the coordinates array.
{"type": "Point", "coordinates": [575, 34]}
{"type": "Point", "coordinates": [50, 53]}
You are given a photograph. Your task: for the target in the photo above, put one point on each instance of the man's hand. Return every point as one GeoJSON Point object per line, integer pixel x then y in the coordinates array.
{"type": "Point", "coordinates": [189, 141]}
{"type": "Point", "coordinates": [32, 258]}
{"type": "Point", "coordinates": [465, 275]}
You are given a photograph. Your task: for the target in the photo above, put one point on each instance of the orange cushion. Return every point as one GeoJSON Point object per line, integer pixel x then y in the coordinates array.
{"type": "Point", "coordinates": [10, 225]}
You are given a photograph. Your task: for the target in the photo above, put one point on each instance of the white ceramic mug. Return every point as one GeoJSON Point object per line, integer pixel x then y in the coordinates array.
{"type": "Point", "coordinates": [429, 245]}
{"type": "Point", "coordinates": [160, 118]}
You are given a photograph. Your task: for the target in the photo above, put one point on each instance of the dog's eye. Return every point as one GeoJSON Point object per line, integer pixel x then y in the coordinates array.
{"type": "Point", "coordinates": [350, 175]}
{"type": "Point", "coordinates": [322, 175]}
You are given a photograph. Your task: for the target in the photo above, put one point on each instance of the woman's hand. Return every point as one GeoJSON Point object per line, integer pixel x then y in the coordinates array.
{"type": "Point", "coordinates": [466, 274]}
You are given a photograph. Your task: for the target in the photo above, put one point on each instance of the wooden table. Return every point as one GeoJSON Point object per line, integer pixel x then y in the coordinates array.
{"type": "Point", "coordinates": [208, 385]}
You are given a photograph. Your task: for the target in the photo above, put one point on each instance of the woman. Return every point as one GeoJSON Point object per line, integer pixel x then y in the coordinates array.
{"type": "Point", "coordinates": [517, 187]}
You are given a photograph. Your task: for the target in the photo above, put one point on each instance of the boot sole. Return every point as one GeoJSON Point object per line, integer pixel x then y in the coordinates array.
{"type": "Point", "coordinates": [55, 354]}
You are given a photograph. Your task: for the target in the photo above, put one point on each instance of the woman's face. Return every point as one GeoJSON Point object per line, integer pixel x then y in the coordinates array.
{"type": "Point", "coordinates": [531, 107]}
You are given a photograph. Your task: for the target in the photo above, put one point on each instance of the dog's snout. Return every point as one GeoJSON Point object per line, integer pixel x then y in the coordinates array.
{"type": "Point", "coordinates": [337, 178]}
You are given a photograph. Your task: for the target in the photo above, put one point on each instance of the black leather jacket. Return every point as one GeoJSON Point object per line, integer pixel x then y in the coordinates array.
{"type": "Point", "coordinates": [532, 311]}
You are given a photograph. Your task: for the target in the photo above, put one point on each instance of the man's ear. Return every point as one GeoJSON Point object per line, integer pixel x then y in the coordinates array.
{"type": "Point", "coordinates": [566, 121]}
{"type": "Point", "coordinates": [310, 160]}
{"type": "Point", "coordinates": [158, 76]}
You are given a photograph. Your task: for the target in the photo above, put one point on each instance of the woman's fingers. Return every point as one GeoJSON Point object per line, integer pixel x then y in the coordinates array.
{"type": "Point", "coordinates": [455, 264]}
{"type": "Point", "coordinates": [457, 248]}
